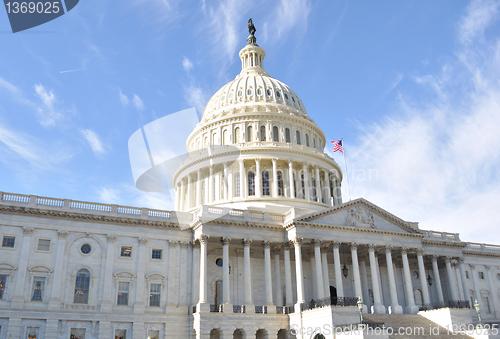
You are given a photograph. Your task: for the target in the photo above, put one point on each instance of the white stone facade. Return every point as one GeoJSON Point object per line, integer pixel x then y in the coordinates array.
{"type": "Point", "coordinates": [241, 258]}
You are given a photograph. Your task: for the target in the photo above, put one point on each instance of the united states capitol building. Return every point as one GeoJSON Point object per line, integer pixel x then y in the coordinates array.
{"type": "Point", "coordinates": [261, 243]}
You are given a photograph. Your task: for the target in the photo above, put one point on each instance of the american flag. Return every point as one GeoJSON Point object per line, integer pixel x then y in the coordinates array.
{"type": "Point", "coordinates": [337, 146]}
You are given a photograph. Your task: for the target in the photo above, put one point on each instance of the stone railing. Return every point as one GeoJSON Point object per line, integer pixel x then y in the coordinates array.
{"type": "Point", "coordinates": [473, 246]}
{"type": "Point", "coordinates": [239, 309]}
{"type": "Point", "coordinates": [329, 301]}
{"type": "Point", "coordinates": [441, 236]}
{"type": "Point", "coordinates": [68, 205]}
{"type": "Point", "coordinates": [261, 309]}
{"type": "Point", "coordinates": [236, 214]}
{"type": "Point", "coordinates": [216, 308]}
{"type": "Point", "coordinates": [446, 304]}
{"type": "Point", "coordinates": [284, 309]}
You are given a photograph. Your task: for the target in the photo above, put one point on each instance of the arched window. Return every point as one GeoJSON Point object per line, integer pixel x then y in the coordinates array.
{"type": "Point", "coordinates": [249, 133]}
{"type": "Point", "coordinates": [314, 142]}
{"type": "Point", "coordinates": [294, 186]}
{"type": "Point", "coordinates": [307, 140]}
{"type": "Point", "coordinates": [280, 184]}
{"type": "Point", "coordinates": [418, 298]}
{"type": "Point", "coordinates": [203, 193]}
{"type": "Point", "coordinates": [265, 183]}
{"type": "Point", "coordinates": [313, 189]}
{"type": "Point", "coordinates": [237, 184]}
{"type": "Point", "coordinates": [303, 189]}
{"type": "Point", "coordinates": [297, 134]}
{"type": "Point", "coordinates": [236, 135]}
{"type": "Point", "coordinates": [82, 286]}
{"type": "Point", "coordinates": [276, 136]}
{"type": "Point", "coordinates": [205, 143]}
{"type": "Point", "coordinates": [224, 137]}
{"type": "Point", "coordinates": [251, 183]}
{"type": "Point", "coordinates": [262, 133]}
{"type": "Point", "coordinates": [287, 135]}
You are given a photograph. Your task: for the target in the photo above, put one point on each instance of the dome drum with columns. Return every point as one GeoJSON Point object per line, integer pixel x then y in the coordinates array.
{"type": "Point", "coordinates": [241, 152]}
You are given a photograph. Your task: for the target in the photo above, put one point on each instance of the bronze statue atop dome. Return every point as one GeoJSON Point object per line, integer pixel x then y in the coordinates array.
{"type": "Point", "coordinates": [251, 30]}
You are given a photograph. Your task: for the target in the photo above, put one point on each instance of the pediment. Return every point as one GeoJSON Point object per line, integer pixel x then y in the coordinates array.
{"type": "Point", "coordinates": [362, 214]}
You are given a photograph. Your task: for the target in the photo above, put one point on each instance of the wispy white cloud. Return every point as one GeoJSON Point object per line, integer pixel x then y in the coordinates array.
{"type": "Point", "coordinates": [395, 82]}
{"type": "Point", "coordinates": [187, 64]}
{"type": "Point", "coordinates": [139, 105]}
{"type": "Point", "coordinates": [93, 140]}
{"type": "Point", "coordinates": [123, 98]}
{"type": "Point", "coordinates": [436, 160]}
{"type": "Point", "coordinates": [129, 195]}
{"type": "Point", "coordinates": [196, 97]}
{"type": "Point", "coordinates": [480, 15]}
{"type": "Point", "coordinates": [290, 17]}
{"type": "Point", "coordinates": [48, 115]}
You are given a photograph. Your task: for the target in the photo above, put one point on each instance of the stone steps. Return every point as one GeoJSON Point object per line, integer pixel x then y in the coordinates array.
{"type": "Point", "coordinates": [412, 326]}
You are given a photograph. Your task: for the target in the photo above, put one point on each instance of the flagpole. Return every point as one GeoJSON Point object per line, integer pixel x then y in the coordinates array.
{"type": "Point", "coordinates": [345, 166]}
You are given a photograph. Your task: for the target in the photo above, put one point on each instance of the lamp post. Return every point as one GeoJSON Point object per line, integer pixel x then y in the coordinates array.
{"type": "Point", "coordinates": [360, 308]}
{"type": "Point", "coordinates": [478, 309]}
{"type": "Point", "coordinates": [345, 271]}
{"type": "Point", "coordinates": [429, 279]}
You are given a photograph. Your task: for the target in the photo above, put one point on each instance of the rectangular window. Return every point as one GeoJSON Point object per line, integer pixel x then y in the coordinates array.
{"type": "Point", "coordinates": [77, 333]}
{"type": "Point", "coordinates": [120, 334]}
{"type": "Point", "coordinates": [43, 245]}
{"type": "Point", "coordinates": [8, 241]}
{"type": "Point", "coordinates": [481, 275]}
{"type": "Point", "coordinates": [467, 274]}
{"type": "Point", "coordinates": [32, 332]}
{"type": "Point", "coordinates": [122, 293]}
{"type": "Point", "coordinates": [486, 304]}
{"type": "Point", "coordinates": [153, 334]}
{"type": "Point", "coordinates": [3, 286]}
{"type": "Point", "coordinates": [156, 253]}
{"type": "Point", "coordinates": [154, 294]}
{"type": "Point", "coordinates": [38, 288]}
{"type": "Point", "coordinates": [126, 251]}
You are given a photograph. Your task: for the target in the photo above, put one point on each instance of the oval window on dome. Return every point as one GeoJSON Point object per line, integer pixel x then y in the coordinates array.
{"type": "Point", "coordinates": [269, 92]}
{"type": "Point", "coordinates": [231, 95]}
{"type": "Point", "coordinates": [216, 101]}
{"type": "Point", "coordinates": [223, 98]}
{"type": "Point", "coordinates": [259, 91]}
{"type": "Point", "coordinates": [286, 96]}
{"type": "Point", "coordinates": [249, 92]}
{"type": "Point", "coordinates": [293, 99]}
{"type": "Point", "coordinates": [240, 93]}
{"type": "Point", "coordinates": [278, 94]}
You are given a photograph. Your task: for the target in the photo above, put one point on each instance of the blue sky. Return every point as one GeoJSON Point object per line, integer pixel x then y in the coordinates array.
{"type": "Point", "coordinates": [411, 86]}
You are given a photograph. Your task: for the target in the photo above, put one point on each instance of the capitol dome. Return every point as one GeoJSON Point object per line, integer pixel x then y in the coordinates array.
{"type": "Point", "coordinates": [257, 148]}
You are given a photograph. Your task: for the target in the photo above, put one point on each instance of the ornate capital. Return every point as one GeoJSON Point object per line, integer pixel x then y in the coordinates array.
{"type": "Point", "coordinates": [372, 247]}
{"type": "Point", "coordinates": [447, 259]}
{"type": "Point", "coordinates": [488, 267]}
{"type": "Point", "coordinates": [404, 250]}
{"type": "Point", "coordinates": [336, 245]}
{"type": "Point", "coordinates": [434, 257]}
{"type": "Point", "coordinates": [472, 266]}
{"type": "Point", "coordinates": [297, 241]}
{"type": "Point", "coordinates": [257, 161]}
{"type": "Point", "coordinates": [275, 159]}
{"type": "Point", "coordinates": [290, 162]}
{"type": "Point", "coordinates": [225, 241]}
{"type": "Point", "coordinates": [287, 245]}
{"type": "Point", "coordinates": [28, 231]}
{"type": "Point", "coordinates": [420, 251]}
{"type": "Point", "coordinates": [62, 234]}
{"type": "Point", "coordinates": [111, 238]}
{"type": "Point", "coordinates": [461, 260]}
{"type": "Point", "coordinates": [388, 249]}
{"type": "Point", "coordinates": [185, 244]}
{"type": "Point", "coordinates": [311, 253]}
{"type": "Point", "coordinates": [203, 238]}
{"type": "Point", "coordinates": [266, 244]}
{"type": "Point", "coordinates": [276, 250]}
{"type": "Point", "coordinates": [246, 242]}
{"type": "Point", "coordinates": [354, 246]}
{"type": "Point", "coordinates": [325, 247]}
{"type": "Point", "coordinates": [316, 242]}
{"type": "Point", "coordinates": [143, 241]}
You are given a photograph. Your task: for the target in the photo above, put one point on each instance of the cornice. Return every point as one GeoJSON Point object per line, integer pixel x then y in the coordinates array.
{"type": "Point", "coordinates": [444, 243]}
{"type": "Point", "coordinates": [481, 254]}
{"type": "Point", "coordinates": [84, 216]}
{"type": "Point", "coordinates": [251, 224]}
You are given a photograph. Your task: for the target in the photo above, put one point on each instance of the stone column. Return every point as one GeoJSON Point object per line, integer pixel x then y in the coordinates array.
{"type": "Point", "coordinates": [182, 206]}
{"type": "Point", "coordinates": [395, 307]}
{"type": "Point", "coordinates": [379, 277]}
{"type": "Point", "coordinates": [288, 274]}
{"type": "Point", "coordinates": [312, 265]}
{"type": "Point", "coordinates": [364, 282]}
{"type": "Point", "coordinates": [319, 195]}
{"type": "Point", "coordinates": [243, 179]}
{"type": "Point", "coordinates": [55, 302]}
{"type": "Point", "coordinates": [211, 186]}
{"type": "Point", "coordinates": [268, 275]}
{"type": "Point", "coordinates": [449, 274]}
{"type": "Point", "coordinates": [177, 196]}
{"type": "Point", "coordinates": [247, 275]}
{"type": "Point", "coordinates": [327, 189]}
{"type": "Point", "coordinates": [411, 307]}
{"type": "Point", "coordinates": [258, 178]}
{"type": "Point", "coordinates": [203, 270]}
{"type": "Point", "coordinates": [277, 277]}
{"type": "Point", "coordinates": [224, 183]}
{"type": "Point", "coordinates": [494, 297]}
{"type": "Point", "coordinates": [307, 193]}
{"type": "Point", "coordinates": [139, 305]}
{"type": "Point", "coordinates": [319, 271]}
{"type": "Point", "coordinates": [464, 279]}
{"type": "Point", "coordinates": [275, 178]}
{"type": "Point", "coordinates": [437, 279]}
{"type": "Point", "coordinates": [423, 279]}
{"type": "Point", "coordinates": [338, 269]}
{"type": "Point", "coordinates": [198, 188]}
{"type": "Point", "coordinates": [207, 189]}
{"type": "Point", "coordinates": [226, 297]}
{"type": "Point", "coordinates": [358, 293]}
{"type": "Point", "coordinates": [230, 184]}
{"type": "Point", "coordinates": [107, 301]}
{"type": "Point", "coordinates": [298, 270]}
{"type": "Point", "coordinates": [477, 291]}
{"type": "Point", "coordinates": [324, 263]}
{"type": "Point", "coordinates": [377, 307]}
{"type": "Point", "coordinates": [290, 179]}
{"type": "Point", "coordinates": [189, 193]}
{"type": "Point", "coordinates": [18, 299]}
{"type": "Point", "coordinates": [458, 279]}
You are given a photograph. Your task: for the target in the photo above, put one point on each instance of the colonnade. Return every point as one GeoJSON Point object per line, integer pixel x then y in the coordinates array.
{"type": "Point", "coordinates": [259, 177]}
{"type": "Point", "coordinates": [321, 282]}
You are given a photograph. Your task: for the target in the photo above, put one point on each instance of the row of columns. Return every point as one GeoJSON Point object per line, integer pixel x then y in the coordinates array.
{"type": "Point", "coordinates": [321, 276]}
{"type": "Point", "coordinates": [328, 187]}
